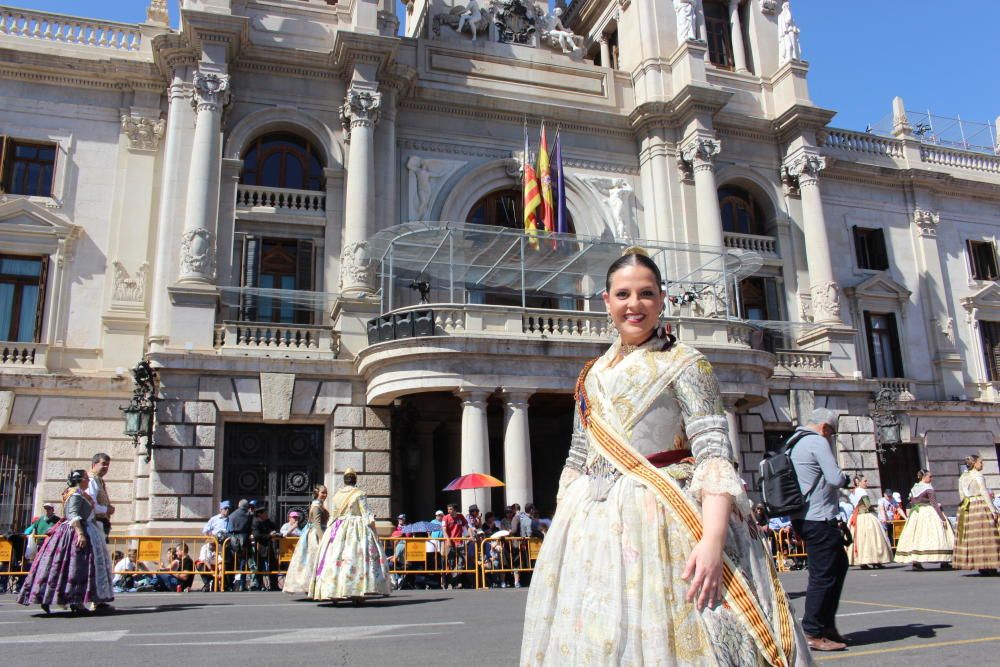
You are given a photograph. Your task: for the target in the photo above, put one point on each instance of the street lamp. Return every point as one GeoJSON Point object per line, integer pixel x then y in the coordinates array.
{"type": "Point", "coordinates": [888, 429]}
{"type": "Point", "coordinates": [140, 411]}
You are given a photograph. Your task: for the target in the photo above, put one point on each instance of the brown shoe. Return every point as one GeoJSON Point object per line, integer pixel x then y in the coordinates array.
{"type": "Point", "coordinates": [824, 644]}
{"type": "Point", "coordinates": [833, 635]}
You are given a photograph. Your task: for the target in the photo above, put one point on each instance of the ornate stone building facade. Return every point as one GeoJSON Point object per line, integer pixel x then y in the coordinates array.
{"type": "Point", "coordinates": [217, 198]}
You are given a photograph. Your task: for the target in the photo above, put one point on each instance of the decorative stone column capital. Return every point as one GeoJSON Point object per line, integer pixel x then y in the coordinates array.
{"type": "Point", "coordinates": [769, 6]}
{"type": "Point", "coordinates": [699, 153]}
{"type": "Point", "coordinates": [803, 170]}
{"type": "Point", "coordinates": [143, 133]}
{"type": "Point", "coordinates": [516, 398]}
{"type": "Point", "coordinates": [825, 302]}
{"type": "Point", "coordinates": [473, 398]}
{"type": "Point", "coordinates": [211, 91]}
{"type": "Point", "coordinates": [926, 222]}
{"type": "Point", "coordinates": [361, 108]}
{"type": "Point", "coordinates": [198, 254]}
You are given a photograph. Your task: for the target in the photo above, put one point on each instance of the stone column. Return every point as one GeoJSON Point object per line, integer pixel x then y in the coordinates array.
{"type": "Point", "coordinates": [517, 448]}
{"type": "Point", "coordinates": [211, 91]}
{"type": "Point", "coordinates": [386, 203]}
{"type": "Point", "coordinates": [360, 113]}
{"type": "Point", "coordinates": [825, 292]}
{"type": "Point", "coordinates": [699, 153]}
{"type": "Point", "coordinates": [605, 51]}
{"type": "Point", "coordinates": [475, 444]}
{"type": "Point", "coordinates": [739, 51]}
{"type": "Point", "coordinates": [159, 324]}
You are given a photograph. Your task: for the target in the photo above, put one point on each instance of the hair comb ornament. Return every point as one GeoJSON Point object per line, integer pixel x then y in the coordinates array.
{"type": "Point", "coordinates": [635, 250]}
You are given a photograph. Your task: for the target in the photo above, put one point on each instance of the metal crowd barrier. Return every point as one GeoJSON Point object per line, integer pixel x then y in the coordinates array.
{"type": "Point", "coordinates": [483, 561]}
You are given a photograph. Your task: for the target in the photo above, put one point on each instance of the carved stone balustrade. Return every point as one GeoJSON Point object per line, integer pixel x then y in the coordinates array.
{"type": "Point", "coordinates": [260, 199]}
{"type": "Point", "coordinates": [765, 246]}
{"type": "Point", "coordinates": [267, 339]}
{"type": "Point", "coordinates": [863, 142]}
{"type": "Point", "coordinates": [48, 27]}
{"type": "Point", "coordinates": [802, 362]}
{"type": "Point", "coordinates": [22, 355]}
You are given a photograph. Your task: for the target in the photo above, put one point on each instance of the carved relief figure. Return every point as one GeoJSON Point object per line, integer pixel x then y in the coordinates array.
{"type": "Point", "coordinates": [620, 197]}
{"type": "Point", "coordinates": [425, 175]}
{"type": "Point", "coordinates": [687, 19]}
{"type": "Point", "coordinates": [461, 17]}
{"type": "Point", "coordinates": [129, 288]}
{"type": "Point", "coordinates": [788, 36]}
{"type": "Point", "coordinates": [143, 133]}
{"type": "Point", "coordinates": [356, 265]}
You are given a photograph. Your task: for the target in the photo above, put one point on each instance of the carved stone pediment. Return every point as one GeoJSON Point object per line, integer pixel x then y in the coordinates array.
{"type": "Point", "coordinates": [23, 219]}
{"type": "Point", "coordinates": [986, 300]}
{"type": "Point", "coordinates": [881, 286]}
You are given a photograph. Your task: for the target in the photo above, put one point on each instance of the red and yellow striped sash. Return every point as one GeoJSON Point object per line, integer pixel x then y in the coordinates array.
{"type": "Point", "coordinates": [738, 596]}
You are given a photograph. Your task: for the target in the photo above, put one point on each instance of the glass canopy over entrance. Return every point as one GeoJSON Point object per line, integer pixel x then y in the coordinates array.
{"type": "Point", "coordinates": [467, 260]}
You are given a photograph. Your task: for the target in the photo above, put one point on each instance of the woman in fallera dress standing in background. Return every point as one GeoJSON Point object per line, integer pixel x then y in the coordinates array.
{"type": "Point", "coordinates": [927, 536]}
{"type": "Point", "coordinates": [978, 544]}
{"type": "Point", "coordinates": [650, 558]}
{"type": "Point", "coordinates": [301, 573]}
{"type": "Point", "coordinates": [870, 546]}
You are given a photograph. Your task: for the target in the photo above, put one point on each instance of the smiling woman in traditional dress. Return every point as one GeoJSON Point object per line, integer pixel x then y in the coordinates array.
{"type": "Point", "coordinates": [301, 573]}
{"type": "Point", "coordinates": [978, 544]}
{"type": "Point", "coordinates": [72, 566]}
{"type": "Point", "coordinates": [927, 536]}
{"type": "Point", "coordinates": [651, 558]}
{"type": "Point", "coordinates": [870, 546]}
{"type": "Point", "coordinates": [350, 563]}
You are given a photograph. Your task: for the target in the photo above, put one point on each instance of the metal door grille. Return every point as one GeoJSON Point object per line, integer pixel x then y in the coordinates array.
{"type": "Point", "coordinates": [18, 479]}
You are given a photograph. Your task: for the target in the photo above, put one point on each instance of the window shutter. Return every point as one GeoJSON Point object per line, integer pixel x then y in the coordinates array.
{"type": "Point", "coordinates": [970, 253]}
{"type": "Point", "coordinates": [870, 339]}
{"type": "Point", "coordinates": [991, 260]}
{"type": "Point", "coordinates": [304, 277]}
{"type": "Point", "coordinates": [859, 248]}
{"type": "Point", "coordinates": [880, 255]}
{"type": "Point", "coordinates": [3, 163]}
{"type": "Point", "coordinates": [40, 304]}
{"type": "Point", "coordinates": [251, 273]}
{"type": "Point", "coordinates": [897, 350]}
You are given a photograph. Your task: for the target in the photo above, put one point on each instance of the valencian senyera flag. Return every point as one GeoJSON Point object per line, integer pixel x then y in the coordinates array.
{"type": "Point", "coordinates": [562, 221]}
{"type": "Point", "coordinates": [532, 195]}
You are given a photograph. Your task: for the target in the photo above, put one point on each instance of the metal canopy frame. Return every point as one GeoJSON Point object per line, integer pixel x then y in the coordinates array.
{"type": "Point", "coordinates": [500, 259]}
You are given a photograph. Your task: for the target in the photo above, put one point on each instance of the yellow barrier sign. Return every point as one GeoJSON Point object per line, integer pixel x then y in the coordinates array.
{"type": "Point", "coordinates": [416, 551]}
{"type": "Point", "coordinates": [534, 546]}
{"type": "Point", "coordinates": [5, 551]}
{"type": "Point", "coordinates": [286, 547]}
{"type": "Point", "coordinates": [150, 550]}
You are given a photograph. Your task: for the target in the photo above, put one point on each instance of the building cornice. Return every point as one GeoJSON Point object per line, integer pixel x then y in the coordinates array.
{"type": "Point", "coordinates": [688, 102]}
{"type": "Point", "coordinates": [111, 74]}
{"type": "Point", "coordinates": [800, 117]}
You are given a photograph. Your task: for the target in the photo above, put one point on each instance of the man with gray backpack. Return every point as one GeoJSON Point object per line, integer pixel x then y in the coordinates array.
{"type": "Point", "coordinates": [815, 520]}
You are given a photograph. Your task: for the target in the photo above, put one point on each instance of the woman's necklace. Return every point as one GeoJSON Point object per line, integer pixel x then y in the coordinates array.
{"type": "Point", "coordinates": [626, 349]}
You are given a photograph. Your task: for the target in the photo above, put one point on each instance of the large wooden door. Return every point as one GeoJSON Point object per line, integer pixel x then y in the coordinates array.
{"type": "Point", "coordinates": [274, 464]}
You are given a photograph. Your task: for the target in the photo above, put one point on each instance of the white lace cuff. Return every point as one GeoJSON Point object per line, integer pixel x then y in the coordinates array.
{"type": "Point", "coordinates": [716, 475]}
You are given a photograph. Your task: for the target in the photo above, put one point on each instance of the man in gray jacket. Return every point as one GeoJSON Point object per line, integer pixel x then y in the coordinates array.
{"type": "Point", "coordinates": [820, 479]}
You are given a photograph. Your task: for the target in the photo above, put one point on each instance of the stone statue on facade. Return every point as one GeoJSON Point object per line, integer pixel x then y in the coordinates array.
{"type": "Point", "coordinates": [687, 19]}
{"type": "Point", "coordinates": [472, 16]}
{"type": "Point", "coordinates": [620, 197]}
{"type": "Point", "coordinates": [788, 36]}
{"type": "Point", "coordinates": [426, 175]}
{"type": "Point", "coordinates": [555, 33]}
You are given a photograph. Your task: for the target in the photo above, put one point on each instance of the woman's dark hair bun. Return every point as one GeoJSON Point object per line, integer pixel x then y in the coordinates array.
{"type": "Point", "coordinates": [75, 477]}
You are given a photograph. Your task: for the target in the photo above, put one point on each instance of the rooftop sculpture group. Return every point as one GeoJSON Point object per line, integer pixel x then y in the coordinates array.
{"type": "Point", "coordinates": [512, 22]}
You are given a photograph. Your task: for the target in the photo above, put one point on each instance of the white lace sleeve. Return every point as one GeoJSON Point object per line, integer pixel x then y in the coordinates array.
{"type": "Point", "coordinates": [707, 430]}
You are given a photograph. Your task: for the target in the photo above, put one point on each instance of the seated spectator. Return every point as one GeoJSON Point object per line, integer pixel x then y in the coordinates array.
{"type": "Point", "coordinates": [123, 580]}
{"type": "Point", "coordinates": [163, 580]}
{"type": "Point", "coordinates": [292, 527]}
{"type": "Point", "coordinates": [490, 525]}
{"type": "Point", "coordinates": [185, 575]}
{"type": "Point", "coordinates": [207, 562]}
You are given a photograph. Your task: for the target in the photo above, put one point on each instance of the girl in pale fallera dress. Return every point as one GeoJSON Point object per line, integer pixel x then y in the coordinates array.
{"type": "Point", "coordinates": [978, 543]}
{"type": "Point", "coordinates": [652, 557]}
{"type": "Point", "coordinates": [301, 573]}
{"type": "Point", "coordinates": [350, 563]}
{"type": "Point", "coordinates": [870, 545]}
{"type": "Point", "coordinates": [927, 536]}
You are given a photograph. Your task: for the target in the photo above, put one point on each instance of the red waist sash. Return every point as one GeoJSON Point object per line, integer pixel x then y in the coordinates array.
{"type": "Point", "coordinates": [664, 459]}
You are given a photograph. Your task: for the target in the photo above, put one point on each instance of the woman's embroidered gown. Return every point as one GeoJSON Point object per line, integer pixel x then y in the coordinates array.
{"type": "Point", "coordinates": [607, 587]}
{"type": "Point", "coordinates": [927, 536]}
{"type": "Point", "coordinates": [870, 545]}
{"type": "Point", "coordinates": [977, 546]}
{"type": "Point", "coordinates": [62, 574]}
{"type": "Point", "coordinates": [301, 573]}
{"type": "Point", "coordinates": [350, 562]}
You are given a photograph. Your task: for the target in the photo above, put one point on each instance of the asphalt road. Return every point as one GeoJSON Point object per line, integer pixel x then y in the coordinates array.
{"type": "Point", "coordinates": [893, 616]}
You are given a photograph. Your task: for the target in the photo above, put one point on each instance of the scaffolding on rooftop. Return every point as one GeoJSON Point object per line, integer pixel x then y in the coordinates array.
{"type": "Point", "coordinates": [930, 128]}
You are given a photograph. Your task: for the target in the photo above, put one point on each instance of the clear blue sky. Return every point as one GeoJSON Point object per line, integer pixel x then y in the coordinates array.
{"type": "Point", "coordinates": [940, 56]}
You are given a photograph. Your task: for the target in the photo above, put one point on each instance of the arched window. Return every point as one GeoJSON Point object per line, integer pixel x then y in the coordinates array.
{"type": "Point", "coordinates": [741, 214]}
{"type": "Point", "coordinates": [282, 160]}
{"type": "Point", "coordinates": [504, 208]}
